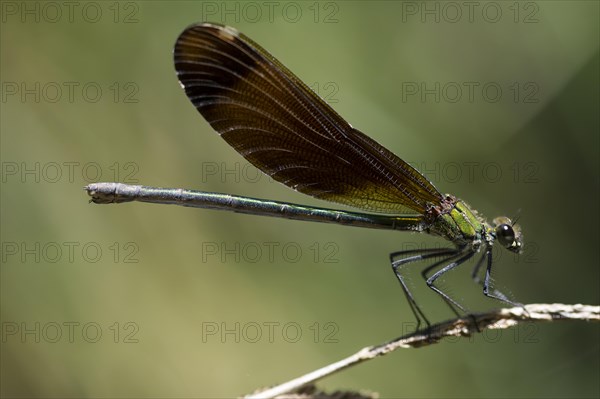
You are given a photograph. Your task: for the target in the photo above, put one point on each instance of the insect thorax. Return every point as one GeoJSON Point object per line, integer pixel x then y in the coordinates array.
{"type": "Point", "coordinates": [454, 220]}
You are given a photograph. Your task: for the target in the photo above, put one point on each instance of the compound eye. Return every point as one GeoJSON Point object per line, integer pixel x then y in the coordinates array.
{"type": "Point", "coordinates": [505, 234]}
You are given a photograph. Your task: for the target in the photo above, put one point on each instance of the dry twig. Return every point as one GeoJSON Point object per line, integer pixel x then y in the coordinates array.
{"type": "Point", "coordinates": [460, 327]}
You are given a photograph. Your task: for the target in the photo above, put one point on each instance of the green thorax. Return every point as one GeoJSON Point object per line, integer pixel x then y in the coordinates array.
{"type": "Point", "coordinates": [457, 222]}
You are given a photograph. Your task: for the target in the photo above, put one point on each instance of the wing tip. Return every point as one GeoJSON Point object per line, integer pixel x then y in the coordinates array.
{"type": "Point", "coordinates": [224, 32]}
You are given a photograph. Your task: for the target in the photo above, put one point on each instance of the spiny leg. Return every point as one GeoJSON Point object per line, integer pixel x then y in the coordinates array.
{"type": "Point", "coordinates": [475, 272]}
{"type": "Point", "coordinates": [421, 254]}
{"type": "Point", "coordinates": [425, 272]}
{"type": "Point", "coordinates": [487, 283]}
{"type": "Point", "coordinates": [475, 277]}
{"type": "Point", "coordinates": [455, 263]}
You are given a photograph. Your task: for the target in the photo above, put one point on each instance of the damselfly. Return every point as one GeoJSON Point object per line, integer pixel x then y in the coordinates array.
{"type": "Point", "coordinates": [283, 128]}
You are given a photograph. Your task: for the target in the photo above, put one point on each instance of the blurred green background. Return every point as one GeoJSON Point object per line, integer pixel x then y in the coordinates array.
{"type": "Point", "coordinates": [141, 300]}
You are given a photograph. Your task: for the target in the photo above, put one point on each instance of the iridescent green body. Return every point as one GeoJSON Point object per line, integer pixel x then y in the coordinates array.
{"type": "Point", "coordinates": [457, 222]}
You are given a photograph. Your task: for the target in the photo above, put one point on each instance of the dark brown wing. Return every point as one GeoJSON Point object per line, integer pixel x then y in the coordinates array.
{"type": "Point", "coordinates": [283, 128]}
